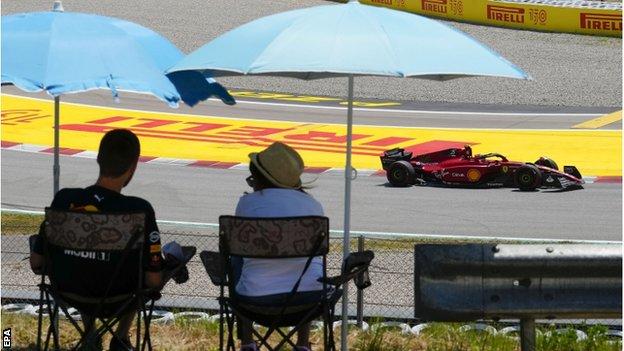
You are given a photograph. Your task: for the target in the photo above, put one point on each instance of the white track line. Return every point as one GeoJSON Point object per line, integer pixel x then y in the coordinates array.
{"type": "Point", "coordinates": [433, 112]}
{"type": "Point", "coordinates": [383, 235]}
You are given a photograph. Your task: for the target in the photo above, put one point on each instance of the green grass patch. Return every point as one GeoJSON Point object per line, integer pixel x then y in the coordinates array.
{"type": "Point", "coordinates": [204, 335]}
{"type": "Point", "coordinates": [19, 224]}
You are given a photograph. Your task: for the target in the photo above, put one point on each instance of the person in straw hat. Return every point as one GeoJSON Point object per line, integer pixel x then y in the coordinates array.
{"type": "Point", "coordinates": [278, 192]}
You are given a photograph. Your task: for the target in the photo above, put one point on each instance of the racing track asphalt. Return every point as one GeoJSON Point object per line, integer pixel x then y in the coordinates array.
{"type": "Point", "coordinates": [201, 195]}
{"type": "Point", "coordinates": [568, 70]}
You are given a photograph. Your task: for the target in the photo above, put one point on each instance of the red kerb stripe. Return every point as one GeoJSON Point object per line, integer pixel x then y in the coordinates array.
{"type": "Point", "coordinates": [315, 169]}
{"type": "Point", "coordinates": [146, 158]}
{"type": "Point", "coordinates": [608, 179]}
{"type": "Point", "coordinates": [224, 165]}
{"type": "Point", "coordinates": [9, 143]}
{"type": "Point", "coordinates": [203, 163]}
{"type": "Point", "coordinates": [63, 151]}
{"type": "Point", "coordinates": [379, 173]}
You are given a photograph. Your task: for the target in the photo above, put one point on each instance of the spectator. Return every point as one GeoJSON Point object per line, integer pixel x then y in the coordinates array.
{"type": "Point", "coordinates": [117, 158]}
{"type": "Point", "coordinates": [278, 192]}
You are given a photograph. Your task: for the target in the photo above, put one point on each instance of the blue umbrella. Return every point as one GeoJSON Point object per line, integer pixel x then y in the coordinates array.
{"type": "Point", "coordinates": [64, 53]}
{"type": "Point", "coordinates": [348, 40]}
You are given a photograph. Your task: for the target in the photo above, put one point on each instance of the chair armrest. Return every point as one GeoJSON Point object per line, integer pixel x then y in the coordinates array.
{"type": "Point", "coordinates": [355, 266]}
{"type": "Point", "coordinates": [214, 263]}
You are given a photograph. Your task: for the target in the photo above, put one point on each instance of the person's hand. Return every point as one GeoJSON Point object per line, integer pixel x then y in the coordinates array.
{"type": "Point", "coordinates": [182, 274]}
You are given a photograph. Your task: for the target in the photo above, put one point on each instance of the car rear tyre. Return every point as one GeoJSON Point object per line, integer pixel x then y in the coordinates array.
{"type": "Point", "coordinates": [528, 177]}
{"type": "Point", "coordinates": [401, 173]}
{"type": "Point", "coordinates": [547, 162]}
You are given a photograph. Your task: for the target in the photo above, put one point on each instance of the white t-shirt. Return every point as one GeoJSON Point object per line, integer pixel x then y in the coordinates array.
{"type": "Point", "coordinates": [261, 277]}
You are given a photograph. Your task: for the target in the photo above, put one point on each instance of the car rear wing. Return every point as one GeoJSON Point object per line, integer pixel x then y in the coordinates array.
{"type": "Point", "coordinates": [393, 155]}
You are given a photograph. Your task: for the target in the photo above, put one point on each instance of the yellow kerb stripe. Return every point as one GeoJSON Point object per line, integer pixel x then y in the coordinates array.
{"type": "Point", "coordinates": [600, 121]}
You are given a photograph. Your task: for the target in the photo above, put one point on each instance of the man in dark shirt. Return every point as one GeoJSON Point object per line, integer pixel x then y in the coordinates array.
{"type": "Point", "coordinates": [118, 158]}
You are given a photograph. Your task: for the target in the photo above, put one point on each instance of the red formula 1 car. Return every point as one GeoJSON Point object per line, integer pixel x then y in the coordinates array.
{"type": "Point", "coordinates": [458, 167]}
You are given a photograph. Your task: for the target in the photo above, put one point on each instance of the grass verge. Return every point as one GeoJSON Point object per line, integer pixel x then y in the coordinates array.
{"type": "Point", "coordinates": [19, 224]}
{"type": "Point", "coordinates": [203, 335]}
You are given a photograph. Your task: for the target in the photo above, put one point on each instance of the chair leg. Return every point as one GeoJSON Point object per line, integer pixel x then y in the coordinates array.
{"type": "Point", "coordinates": [286, 338]}
{"type": "Point", "coordinates": [147, 320]}
{"type": "Point", "coordinates": [40, 318]}
{"type": "Point", "coordinates": [229, 318]}
{"type": "Point", "coordinates": [73, 322]}
{"type": "Point", "coordinates": [220, 325]}
{"type": "Point", "coordinates": [51, 329]}
{"type": "Point", "coordinates": [330, 326]}
{"type": "Point", "coordinates": [326, 321]}
{"type": "Point", "coordinates": [138, 331]}
{"type": "Point", "coordinates": [56, 327]}
{"type": "Point", "coordinates": [263, 339]}
{"type": "Point", "coordinates": [107, 326]}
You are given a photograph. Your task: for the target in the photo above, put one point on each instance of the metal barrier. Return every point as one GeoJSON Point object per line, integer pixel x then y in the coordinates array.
{"type": "Point", "coordinates": [479, 281]}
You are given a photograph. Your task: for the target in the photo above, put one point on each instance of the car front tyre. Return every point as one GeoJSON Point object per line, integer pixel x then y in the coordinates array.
{"type": "Point", "coordinates": [547, 162]}
{"type": "Point", "coordinates": [528, 178]}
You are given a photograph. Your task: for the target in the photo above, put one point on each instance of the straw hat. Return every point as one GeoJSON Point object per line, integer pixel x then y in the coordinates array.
{"type": "Point", "coordinates": [280, 164]}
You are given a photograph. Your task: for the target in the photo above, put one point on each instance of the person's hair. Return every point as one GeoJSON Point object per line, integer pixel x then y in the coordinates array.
{"type": "Point", "coordinates": [261, 181]}
{"type": "Point", "coordinates": [119, 150]}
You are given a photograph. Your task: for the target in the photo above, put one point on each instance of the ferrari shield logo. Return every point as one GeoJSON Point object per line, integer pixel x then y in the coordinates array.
{"type": "Point", "coordinates": [505, 169]}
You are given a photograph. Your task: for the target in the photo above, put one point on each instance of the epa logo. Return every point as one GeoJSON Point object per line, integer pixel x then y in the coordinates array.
{"type": "Point", "coordinates": [6, 338]}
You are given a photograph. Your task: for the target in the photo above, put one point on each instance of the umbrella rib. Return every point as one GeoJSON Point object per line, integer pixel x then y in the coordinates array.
{"type": "Point", "coordinates": [385, 37]}
{"type": "Point", "coordinates": [342, 16]}
{"type": "Point", "coordinates": [253, 65]}
{"type": "Point", "coordinates": [45, 84]}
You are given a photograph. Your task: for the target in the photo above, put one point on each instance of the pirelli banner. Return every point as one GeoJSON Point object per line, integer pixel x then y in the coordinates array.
{"type": "Point", "coordinates": [582, 17]}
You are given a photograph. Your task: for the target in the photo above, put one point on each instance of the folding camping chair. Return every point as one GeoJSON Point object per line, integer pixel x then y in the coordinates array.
{"type": "Point", "coordinates": [276, 238]}
{"type": "Point", "coordinates": [76, 246]}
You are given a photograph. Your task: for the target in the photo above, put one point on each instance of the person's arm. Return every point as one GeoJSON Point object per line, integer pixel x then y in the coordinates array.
{"type": "Point", "coordinates": [153, 280]}
{"type": "Point", "coordinates": [36, 251]}
{"type": "Point", "coordinates": [36, 258]}
{"type": "Point", "coordinates": [36, 263]}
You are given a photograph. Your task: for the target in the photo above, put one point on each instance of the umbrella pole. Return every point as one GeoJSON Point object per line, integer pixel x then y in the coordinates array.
{"type": "Point", "coordinates": [347, 217]}
{"type": "Point", "coordinates": [56, 169]}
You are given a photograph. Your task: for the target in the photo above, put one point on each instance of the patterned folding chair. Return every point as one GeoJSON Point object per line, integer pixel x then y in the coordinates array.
{"type": "Point", "coordinates": [275, 238]}
{"type": "Point", "coordinates": [82, 250]}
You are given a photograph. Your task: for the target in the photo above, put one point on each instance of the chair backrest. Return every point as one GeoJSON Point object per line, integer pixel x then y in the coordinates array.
{"type": "Point", "coordinates": [86, 251]}
{"type": "Point", "coordinates": [274, 237]}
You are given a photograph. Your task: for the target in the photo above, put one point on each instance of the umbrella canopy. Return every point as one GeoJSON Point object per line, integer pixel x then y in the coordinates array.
{"type": "Point", "coordinates": [62, 53]}
{"type": "Point", "coordinates": [338, 40]}
{"type": "Point", "coordinates": [347, 40]}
